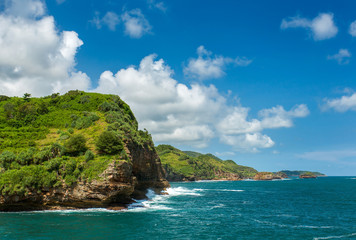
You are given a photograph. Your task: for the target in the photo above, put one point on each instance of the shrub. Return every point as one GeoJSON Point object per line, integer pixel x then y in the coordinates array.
{"type": "Point", "coordinates": [53, 164]}
{"type": "Point", "coordinates": [26, 157]}
{"type": "Point", "coordinates": [75, 145]}
{"type": "Point", "coordinates": [43, 155]}
{"type": "Point", "coordinates": [89, 155]}
{"type": "Point", "coordinates": [70, 130]}
{"type": "Point", "coordinates": [6, 158]}
{"type": "Point", "coordinates": [108, 106]}
{"type": "Point", "coordinates": [109, 143]}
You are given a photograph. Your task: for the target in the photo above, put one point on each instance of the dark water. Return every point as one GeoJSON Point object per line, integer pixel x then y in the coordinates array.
{"type": "Point", "coordinates": [323, 208]}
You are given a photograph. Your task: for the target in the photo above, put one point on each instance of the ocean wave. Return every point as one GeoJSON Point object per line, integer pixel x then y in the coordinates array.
{"type": "Point", "coordinates": [232, 190]}
{"type": "Point", "coordinates": [292, 226]}
{"type": "Point", "coordinates": [219, 190]}
{"type": "Point", "coordinates": [217, 206]}
{"type": "Point", "coordinates": [335, 237]}
{"type": "Point", "coordinates": [181, 191]}
{"type": "Point", "coordinates": [159, 202]}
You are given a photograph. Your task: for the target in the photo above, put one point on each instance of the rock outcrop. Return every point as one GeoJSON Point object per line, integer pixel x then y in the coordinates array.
{"type": "Point", "coordinates": [117, 186]}
{"type": "Point", "coordinates": [267, 176]}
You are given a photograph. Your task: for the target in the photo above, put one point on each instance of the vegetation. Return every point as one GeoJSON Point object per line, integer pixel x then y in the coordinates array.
{"type": "Point", "coordinates": [298, 173]}
{"type": "Point", "coordinates": [193, 165]}
{"type": "Point", "coordinates": [61, 139]}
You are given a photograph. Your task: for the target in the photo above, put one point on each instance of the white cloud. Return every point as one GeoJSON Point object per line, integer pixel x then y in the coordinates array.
{"type": "Point", "coordinates": [136, 25]}
{"type": "Point", "coordinates": [352, 29]}
{"type": "Point", "coordinates": [38, 59]}
{"type": "Point", "coordinates": [34, 56]}
{"type": "Point", "coordinates": [157, 5]}
{"type": "Point", "coordinates": [110, 19]}
{"type": "Point", "coordinates": [342, 57]}
{"type": "Point", "coordinates": [277, 117]}
{"type": "Point", "coordinates": [169, 110]}
{"type": "Point", "coordinates": [236, 130]}
{"type": "Point", "coordinates": [237, 123]}
{"type": "Point", "coordinates": [343, 104]}
{"type": "Point", "coordinates": [322, 27]}
{"type": "Point", "coordinates": [249, 142]}
{"type": "Point", "coordinates": [205, 66]}
{"type": "Point", "coordinates": [191, 115]}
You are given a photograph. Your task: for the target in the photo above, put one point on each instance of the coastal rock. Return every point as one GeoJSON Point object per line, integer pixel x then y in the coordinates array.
{"type": "Point", "coordinates": [117, 186]}
{"type": "Point", "coordinates": [307, 175]}
{"type": "Point", "coordinates": [267, 176]}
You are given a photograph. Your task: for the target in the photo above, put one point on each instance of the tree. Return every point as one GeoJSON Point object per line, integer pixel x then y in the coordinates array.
{"type": "Point", "coordinates": [109, 143]}
{"type": "Point", "coordinates": [75, 145]}
{"type": "Point", "coordinates": [26, 97]}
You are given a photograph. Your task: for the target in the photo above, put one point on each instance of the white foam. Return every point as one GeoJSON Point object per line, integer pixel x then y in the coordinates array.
{"type": "Point", "coordinates": [232, 190]}
{"type": "Point", "coordinates": [217, 206]}
{"type": "Point", "coordinates": [158, 202]}
{"type": "Point", "coordinates": [333, 237]}
{"type": "Point", "coordinates": [219, 190]}
{"type": "Point", "coordinates": [181, 191]}
{"type": "Point", "coordinates": [292, 226]}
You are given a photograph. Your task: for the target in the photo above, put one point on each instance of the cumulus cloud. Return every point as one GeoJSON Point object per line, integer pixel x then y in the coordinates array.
{"type": "Point", "coordinates": [110, 19]}
{"type": "Point", "coordinates": [236, 130]}
{"type": "Point", "coordinates": [207, 66]}
{"type": "Point", "coordinates": [343, 104]}
{"type": "Point", "coordinates": [38, 59]}
{"type": "Point", "coordinates": [169, 110]}
{"type": "Point", "coordinates": [342, 57]}
{"type": "Point", "coordinates": [191, 115]}
{"type": "Point", "coordinates": [276, 117]}
{"type": "Point", "coordinates": [157, 5]}
{"type": "Point", "coordinates": [249, 142]}
{"type": "Point", "coordinates": [136, 25]}
{"type": "Point", "coordinates": [352, 29]}
{"type": "Point", "coordinates": [322, 27]}
{"type": "Point", "coordinates": [34, 56]}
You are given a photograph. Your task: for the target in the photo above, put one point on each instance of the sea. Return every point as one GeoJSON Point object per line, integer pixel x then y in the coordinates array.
{"type": "Point", "coordinates": [322, 208]}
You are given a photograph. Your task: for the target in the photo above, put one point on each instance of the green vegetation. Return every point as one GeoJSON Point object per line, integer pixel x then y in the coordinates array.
{"type": "Point", "coordinates": [297, 173]}
{"type": "Point", "coordinates": [193, 165]}
{"type": "Point", "coordinates": [61, 139]}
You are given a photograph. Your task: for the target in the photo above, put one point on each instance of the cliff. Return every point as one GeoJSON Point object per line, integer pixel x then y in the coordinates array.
{"type": "Point", "coordinates": [191, 166]}
{"type": "Point", "coordinates": [79, 150]}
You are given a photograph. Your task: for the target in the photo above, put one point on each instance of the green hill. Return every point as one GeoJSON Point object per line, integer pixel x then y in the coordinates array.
{"type": "Point", "coordinates": [187, 165]}
{"type": "Point", "coordinates": [296, 173]}
{"type": "Point", "coordinates": [67, 142]}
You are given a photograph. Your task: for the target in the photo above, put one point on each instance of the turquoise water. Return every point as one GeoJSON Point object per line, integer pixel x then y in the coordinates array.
{"type": "Point", "coordinates": [323, 208]}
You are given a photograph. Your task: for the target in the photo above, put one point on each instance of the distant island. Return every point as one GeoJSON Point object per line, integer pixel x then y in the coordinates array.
{"type": "Point", "coordinates": [297, 173]}
{"type": "Point", "coordinates": [191, 166]}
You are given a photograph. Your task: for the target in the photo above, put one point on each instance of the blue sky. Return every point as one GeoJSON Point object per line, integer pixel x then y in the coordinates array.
{"type": "Point", "coordinates": [268, 84]}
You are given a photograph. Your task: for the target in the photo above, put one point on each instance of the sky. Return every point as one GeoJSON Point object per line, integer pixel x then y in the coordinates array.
{"type": "Point", "coordinates": [268, 84]}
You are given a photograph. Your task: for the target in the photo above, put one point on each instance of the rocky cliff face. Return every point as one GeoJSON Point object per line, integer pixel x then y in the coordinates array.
{"type": "Point", "coordinates": [117, 186]}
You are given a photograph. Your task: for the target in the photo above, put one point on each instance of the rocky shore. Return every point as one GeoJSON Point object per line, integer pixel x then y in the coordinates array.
{"type": "Point", "coordinates": [117, 186]}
